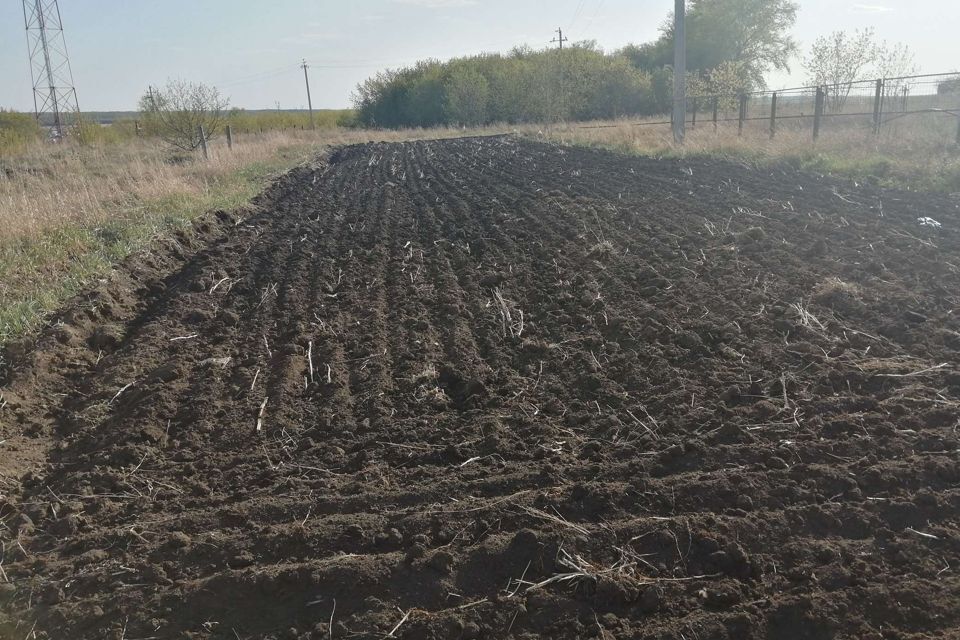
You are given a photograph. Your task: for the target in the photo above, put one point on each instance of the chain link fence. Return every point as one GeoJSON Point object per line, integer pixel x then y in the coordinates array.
{"type": "Point", "coordinates": [929, 103]}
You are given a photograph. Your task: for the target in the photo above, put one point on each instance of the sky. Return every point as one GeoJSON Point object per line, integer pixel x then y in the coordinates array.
{"type": "Point", "coordinates": [251, 49]}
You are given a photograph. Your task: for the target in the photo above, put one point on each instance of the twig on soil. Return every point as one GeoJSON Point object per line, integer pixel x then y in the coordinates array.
{"type": "Point", "coordinates": [928, 536]}
{"type": "Point", "coordinates": [190, 337]}
{"type": "Point", "coordinates": [915, 373]}
{"type": "Point", "coordinates": [310, 360]}
{"type": "Point", "coordinates": [399, 624]}
{"type": "Point", "coordinates": [255, 376]}
{"type": "Point", "coordinates": [556, 519]}
{"type": "Point", "coordinates": [263, 408]}
{"type": "Point", "coordinates": [807, 319]}
{"type": "Point", "coordinates": [267, 345]}
{"type": "Point", "coordinates": [643, 424]}
{"type": "Point", "coordinates": [508, 324]}
{"type": "Point", "coordinates": [330, 625]}
{"type": "Point", "coordinates": [119, 392]}
{"type": "Point", "coordinates": [214, 287]}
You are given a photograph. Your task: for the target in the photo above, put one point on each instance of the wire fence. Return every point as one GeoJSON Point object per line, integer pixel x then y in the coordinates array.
{"type": "Point", "coordinates": [870, 105]}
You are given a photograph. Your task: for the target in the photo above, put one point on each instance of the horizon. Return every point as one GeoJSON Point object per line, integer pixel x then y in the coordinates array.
{"type": "Point", "coordinates": [266, 73]}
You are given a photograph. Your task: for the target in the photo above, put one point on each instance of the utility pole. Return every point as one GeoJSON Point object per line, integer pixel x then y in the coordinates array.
{"type": "Point", "coordinates": [309, 99]}
{"type": "Point", "coordinates": [679, 71]}
{"type": "Point", "coordinates": [563, 92]}
{"type": "Point", "coordinates": [53, 89]}
{"type": "Point", "coordinates": [560, 39]}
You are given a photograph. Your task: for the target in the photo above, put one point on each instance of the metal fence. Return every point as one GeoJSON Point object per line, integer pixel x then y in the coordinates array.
{"type": "Point", "coordinates": [870, 105]}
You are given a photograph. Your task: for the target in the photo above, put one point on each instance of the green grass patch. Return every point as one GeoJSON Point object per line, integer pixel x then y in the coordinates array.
{"type": "Point", "coordinates": [37, 274]}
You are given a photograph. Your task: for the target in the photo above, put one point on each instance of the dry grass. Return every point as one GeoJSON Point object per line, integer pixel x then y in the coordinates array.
{"type": "Point", "coordinates": [918, 152]}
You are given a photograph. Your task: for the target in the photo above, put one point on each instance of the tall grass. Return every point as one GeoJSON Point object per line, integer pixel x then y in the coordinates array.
{"type": "Point", "coordinates": [919, 152]}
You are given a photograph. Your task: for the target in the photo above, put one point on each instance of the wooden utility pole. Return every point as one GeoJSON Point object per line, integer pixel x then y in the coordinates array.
{"type": "Point", "coordinates": [818, 105]}
{"type": "Point", "coordinates": [679, 71]}
{"type": "Point", "coordinates": [306, 77]}
{"type": "Point", "coordinates": [560, 39]}
{"type": "Point", "coordinates": [773, 115]}
{"type": "Point", "coordinates": [203, 142]}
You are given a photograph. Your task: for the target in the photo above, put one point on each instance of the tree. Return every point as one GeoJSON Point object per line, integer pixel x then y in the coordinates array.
{"type": "Point", "coordinates": [467, 93]}
{"type": "Point", "coordinates": [176, 113]}
{"type": "Point", "coordinates": [836, 61]}
{"type": "Point", "coordinates": [754, 34]}
{"type": "Point", "coordinates": [893, 62]}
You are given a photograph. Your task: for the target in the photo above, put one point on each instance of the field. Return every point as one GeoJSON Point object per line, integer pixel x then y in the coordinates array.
{"type": "Point", "coordinates": [494, 388]}
{"type": "Point", "coordinates": [69, 213]}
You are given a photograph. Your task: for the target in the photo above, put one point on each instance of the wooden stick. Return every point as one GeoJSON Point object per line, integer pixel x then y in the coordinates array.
{"type": "Point", "coordinates": [263, 408]}
{"type": "Point", "coordinates": [310, 359]}
{"type": "Point", "coordinates": [400, 624]}
{"type": "Point", "coordinates": [915, 373]}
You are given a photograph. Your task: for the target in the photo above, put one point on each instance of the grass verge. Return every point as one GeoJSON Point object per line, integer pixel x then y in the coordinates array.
{"type": "Point", "coordinates": [919, 154]}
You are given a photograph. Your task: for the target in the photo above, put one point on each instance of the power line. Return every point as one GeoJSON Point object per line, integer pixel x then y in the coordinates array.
{"type": "Point", "coordinates": [576, 14]}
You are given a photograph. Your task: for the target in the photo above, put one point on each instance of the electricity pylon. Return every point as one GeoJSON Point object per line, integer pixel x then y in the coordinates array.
{"type": "Point", "coordinates": [53, 89]}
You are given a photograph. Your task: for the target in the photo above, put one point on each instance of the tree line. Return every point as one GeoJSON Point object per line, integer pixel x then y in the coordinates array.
{"type": "Point", "coordinates": [731, 43]}
{"type": "Point", "coordinates": [731, 46]}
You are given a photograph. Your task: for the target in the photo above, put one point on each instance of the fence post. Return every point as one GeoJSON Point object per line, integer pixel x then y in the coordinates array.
{"type": "Point", "coordinates": [773, 115]}
{"type": "Point", "coordinates": [877, 102]}
{"type": "Point", "coordinates": [817, 113]}
{"type": "Point", "coordinates": [229, 137]}
{"type": "Point", "coordinates": [743, 114]}
{"type": "Point", "coordinates": [694, 123]}
{"type": "Point", "coordinates": [203, 143]}
{"type": "Point", "coordinates": [716, 111]}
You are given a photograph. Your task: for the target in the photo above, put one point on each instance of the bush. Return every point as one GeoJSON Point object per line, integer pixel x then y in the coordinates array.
{"type": "Point", "coordinates": [578, 83]}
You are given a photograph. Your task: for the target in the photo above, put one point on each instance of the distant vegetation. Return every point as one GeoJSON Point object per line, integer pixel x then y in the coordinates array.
{"type": "Point", "coordinates": [580, 82]}
{"type": "Point", "coordinates": [244, 121]}
{"type": "Point", "coordinates": [732, 44]}
{"type": "Point", "coordinates": [17, 131]}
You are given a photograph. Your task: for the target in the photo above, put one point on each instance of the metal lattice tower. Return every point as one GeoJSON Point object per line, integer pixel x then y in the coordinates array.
{"type": "Point", "coordinates": [53, 90]}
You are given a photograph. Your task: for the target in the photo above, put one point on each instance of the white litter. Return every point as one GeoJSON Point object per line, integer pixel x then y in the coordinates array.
{"type": "Point", "coordinates": [929, 222]}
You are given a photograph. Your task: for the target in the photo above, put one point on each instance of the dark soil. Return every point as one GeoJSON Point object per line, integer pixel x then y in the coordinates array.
{"type": "Point", "coordinates": [724, 405]}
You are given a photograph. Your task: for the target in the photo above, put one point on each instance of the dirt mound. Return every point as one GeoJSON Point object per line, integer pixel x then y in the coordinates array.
{"type": "Point", "coordinates": [489, 388]}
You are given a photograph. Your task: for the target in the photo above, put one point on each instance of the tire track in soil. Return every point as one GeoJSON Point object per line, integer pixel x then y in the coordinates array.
{"type": "Point", "coordinates": [713, 460]}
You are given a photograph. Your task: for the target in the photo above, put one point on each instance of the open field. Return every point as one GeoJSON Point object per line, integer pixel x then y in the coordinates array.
{"type": "Point", "coordinates": [493, 388]}
{"type": "Point", "coordinates": [68, 214]}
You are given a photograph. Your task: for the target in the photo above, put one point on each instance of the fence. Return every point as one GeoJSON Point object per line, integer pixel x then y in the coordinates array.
{"type": "Point", "coordinates": [868, 104]}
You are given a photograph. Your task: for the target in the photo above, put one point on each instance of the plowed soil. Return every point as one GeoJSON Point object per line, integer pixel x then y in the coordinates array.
{"type": "Point", "coordinates": [491, 388]}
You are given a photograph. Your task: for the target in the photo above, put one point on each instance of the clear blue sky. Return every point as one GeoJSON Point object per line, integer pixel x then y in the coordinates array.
{"type": "Point", "coordinates": [251, 48]}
